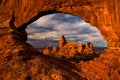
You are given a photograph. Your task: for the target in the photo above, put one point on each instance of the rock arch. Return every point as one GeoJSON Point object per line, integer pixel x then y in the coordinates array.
{"type": "Point", "coordinates": [16, 15]}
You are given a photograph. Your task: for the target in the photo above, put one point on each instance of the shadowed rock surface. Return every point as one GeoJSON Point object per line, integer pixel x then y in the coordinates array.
{"type": "Point", "coordinates": [18, 60]}
{"type": "Point", "coordinates": [25, 65]}
{"type": "Point", "coordinates": [62, 41]}
{"type": "Point", "coordinates": [105, 67]}
{"type": "Point", "coordinates": [88, 49]}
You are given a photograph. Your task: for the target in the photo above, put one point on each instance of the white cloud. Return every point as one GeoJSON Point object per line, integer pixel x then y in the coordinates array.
{"type": "Point", "coordinates": [46, 21]}
{"type": "Point", "coordinates": [51, 27]}
{"type": "Point", "coordinates": [43, 35]}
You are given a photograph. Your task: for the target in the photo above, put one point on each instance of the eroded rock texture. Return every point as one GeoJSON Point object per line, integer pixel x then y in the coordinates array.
{"type": "Point", "coordinates": [16, 15]}
{"type": "Point", "coordinates": [17, 55]}
{"type": "Point", "coordinates": [62, 41]}
{"type": "Point", "coordinates": [104, 14]}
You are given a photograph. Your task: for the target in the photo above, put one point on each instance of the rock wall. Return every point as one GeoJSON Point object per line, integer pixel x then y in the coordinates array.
{"type": "Point", "coordinates": [15, 15]}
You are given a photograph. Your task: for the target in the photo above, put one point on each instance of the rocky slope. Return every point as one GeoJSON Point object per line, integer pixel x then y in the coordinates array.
{"type": "Point", "coordinates": [23, 65]}
{"type": "Point", "coordinates": [105, 67]}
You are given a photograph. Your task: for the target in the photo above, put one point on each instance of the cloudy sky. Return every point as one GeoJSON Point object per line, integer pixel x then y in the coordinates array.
{"type": "Point", "coordinates": [46, 31]}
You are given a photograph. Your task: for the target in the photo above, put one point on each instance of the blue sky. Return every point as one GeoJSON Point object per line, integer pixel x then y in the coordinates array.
{"type": "Point", "coordinates": [46, 31]}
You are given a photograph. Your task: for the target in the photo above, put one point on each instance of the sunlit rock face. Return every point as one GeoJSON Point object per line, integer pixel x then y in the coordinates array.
{"type": "Point", "coordinates": [16, 15]}
{"type": "Point", "coordinates": [19, 62]}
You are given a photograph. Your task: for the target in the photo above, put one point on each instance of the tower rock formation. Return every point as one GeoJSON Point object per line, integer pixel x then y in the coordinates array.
{"type": "Point", "coordinates": [73, 48]}
{"type": "Point", "coordinates": [70, 49]}
{"type": "Point", "coordinates": [62, 41]}
{"type": "Point", "coordinates": [88, 49]}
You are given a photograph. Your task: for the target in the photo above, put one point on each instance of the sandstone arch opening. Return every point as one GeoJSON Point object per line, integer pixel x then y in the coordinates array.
{"type": "Point", "coordinates": [46, 31]}
{"type": "Point", "coordinates": [82, 41]}
{"type": "Point", "coordinates": [16, 57]}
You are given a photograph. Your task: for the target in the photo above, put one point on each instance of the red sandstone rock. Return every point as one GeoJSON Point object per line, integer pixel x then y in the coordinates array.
{"type": "Point", "coordinates": [88, 50]}
{"type": "Point", "coordinates": [17, 15]}
{"type": "Point", "coordinates": [80, 48]}
{"type": "Point", "coordinates": [26, 65]}
{"type": "Point", "coordinates": [105, 67]}
{"type": "Point", "coordinates": [54, 49]}
{"type": "Point", "coordinates": [46, 51]}
{"type": "Point", "coordinates": [62, 41]}
{"type": "Point", "coordinates": [89, 45]}
{"type": "Point", "coordinates": [68, 50]}
{"type": "Point", "coordinates": [73, 48]}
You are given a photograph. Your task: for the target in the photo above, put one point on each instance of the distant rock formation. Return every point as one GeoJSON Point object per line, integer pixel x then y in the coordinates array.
{"type": "Point", "coordinates": [88, 50]}
{"type": "Point", "coordinates": [72, 48]}
{"type": "Point", "coordinates": [69, 49]}
{"type": "Point", "coordinates": [54, 50]}
{"type": "Point", "coordinates": [89, 45]}
{"type": "Point", "coordinates": [62, 41]}
{"type": "Point", "coordinates": [80, 47]}
{"type": "Point", "coordinates": [46, 51]}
